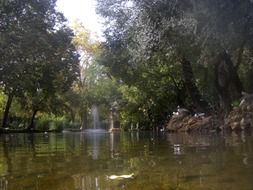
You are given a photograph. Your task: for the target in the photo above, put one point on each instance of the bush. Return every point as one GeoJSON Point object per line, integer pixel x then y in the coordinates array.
{"type": "Point", "coordinates": [42, 124]}
{"type": "Point", "coordinates": [53, 123]}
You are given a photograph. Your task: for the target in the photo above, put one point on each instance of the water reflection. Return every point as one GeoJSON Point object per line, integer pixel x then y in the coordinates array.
{"type": "Point", "coordinates": [3, 184]}
{"type": "Point", "coordinates": [86, 182]}
{"type": "Point", "coordinates": [178, 149]}
{"type": "Point", "coordinates": [93, 142]}
{"type": "Point", "coordinates": [80, 161]}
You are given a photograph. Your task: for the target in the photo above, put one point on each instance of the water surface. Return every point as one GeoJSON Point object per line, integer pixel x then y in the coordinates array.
{"type": "Point", "coordinates": [84, 161]}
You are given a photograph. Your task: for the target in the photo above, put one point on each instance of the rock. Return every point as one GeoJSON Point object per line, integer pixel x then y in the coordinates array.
{"type": "Point", "coordinates": [241, 118]}
{"type": "Point", "coordinates": [242, 123]}
{"type": "Point", "coordinates": [235, 126]}
{"type": "Point", "coordinates": [175, 123]}
{"type": "Point", "coordinates": [188, 123]}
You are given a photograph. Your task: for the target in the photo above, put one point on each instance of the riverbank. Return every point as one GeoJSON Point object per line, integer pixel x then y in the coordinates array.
{"type": "Point", "coordinates": [239, 119]}
{"type": "Point", "coordinates": [8, 131]}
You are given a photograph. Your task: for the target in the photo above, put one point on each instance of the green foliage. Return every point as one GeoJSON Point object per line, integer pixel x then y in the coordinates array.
{"type": "Point", "coordinates": [42, 124]}
{"type": "Point", "coordinates": [138, 72]}
{"type": "Point", "coordinates": [146, 42]}
{"type": "Point", "coordinates": [53, 123]}
{"type": "Point", "coordinates": [134, 109]}
{"type": "Point", "coordinates": [38, 60]}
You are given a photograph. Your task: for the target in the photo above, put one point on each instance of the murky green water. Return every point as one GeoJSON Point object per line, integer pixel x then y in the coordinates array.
{"type": "Point", "coordinates": [75, 161]}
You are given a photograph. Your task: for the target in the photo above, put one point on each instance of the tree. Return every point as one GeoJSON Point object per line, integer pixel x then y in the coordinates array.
{"type": "Point", "coordinates": [33, 36]}
{"type": "Point", "coordinates": [132, 53]}
{"type": "Point", "coordinates": [194, 34]}
{"type": "Point", "coordinates": [87, 47]}
{"type": "Point", "coordinates": [222, 32]}
{"type": "Point", "coordinates": [55, 76]}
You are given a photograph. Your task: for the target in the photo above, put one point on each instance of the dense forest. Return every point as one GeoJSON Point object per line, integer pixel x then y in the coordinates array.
{"type": "Point", "coordinates": [155, 56]}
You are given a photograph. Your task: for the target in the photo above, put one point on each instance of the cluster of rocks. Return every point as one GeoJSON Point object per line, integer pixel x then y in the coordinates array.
{"type": "Point", "coordinates": [183, 121]}
{"type": "Point", "coordinates": [241, 118]}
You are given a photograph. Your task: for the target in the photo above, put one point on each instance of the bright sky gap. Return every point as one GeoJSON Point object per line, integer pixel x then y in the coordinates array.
{"type": "Point", "coordinates": [84, 11]}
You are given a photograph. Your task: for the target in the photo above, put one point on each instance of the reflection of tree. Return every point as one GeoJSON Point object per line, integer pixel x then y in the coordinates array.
{"type": "Point", "coordinates": [32, 145]}
{"type": "Point", "coordinates": [7, 156]}
{"type": "Point", "coordinates": [84, 182]}
{"type": "Point", "coordinates": [8, 161]}
{"type": "Point", "coordinates": [3, 184]}
{"type": "Point", "coordinates": [115, 145]}
{"type": "Point", "coordinates": [62, 162]}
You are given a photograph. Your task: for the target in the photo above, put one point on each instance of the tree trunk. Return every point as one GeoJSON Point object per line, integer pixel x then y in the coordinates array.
{"type": "Point", "coordinates": [31, 125]}
{"type": "Point", "coordinates": [235, 79]}
{"type": "Point", "coordinates": [7, 156]}
{"type": "Point", "coordinates": [7, 110]}
{"type": "Point", "coordinates": [200, 105]}
{"type": "Point", "coordinates": [180, 91]}
{"type": "Point", "coordinates": [227, 81]}
{"type": "Point", "coordinates": [222, 80]}
{"type": "Point", "coordinates": [249, 80]}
